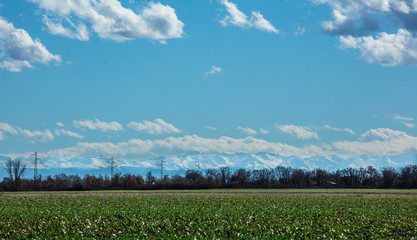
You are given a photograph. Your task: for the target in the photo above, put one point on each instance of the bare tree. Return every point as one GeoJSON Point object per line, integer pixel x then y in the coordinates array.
{"type": "Point", "coordinates": [150, 178]}
{"type": "Point", "coordinates": [15, 170]}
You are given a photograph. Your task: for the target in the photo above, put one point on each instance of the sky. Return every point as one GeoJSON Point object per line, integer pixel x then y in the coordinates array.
{"type": "Point", "coordinates": [137, 79]}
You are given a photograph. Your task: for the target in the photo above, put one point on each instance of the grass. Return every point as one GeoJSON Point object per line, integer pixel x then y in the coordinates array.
{"type": "Point", "coordinates": [318, 213]}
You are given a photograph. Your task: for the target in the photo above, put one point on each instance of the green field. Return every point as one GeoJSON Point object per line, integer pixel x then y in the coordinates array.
{"type": "Point", "coordinates": [210, 214]}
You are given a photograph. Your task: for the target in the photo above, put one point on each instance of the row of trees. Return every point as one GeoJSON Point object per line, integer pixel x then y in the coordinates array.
{"type": "Point", "coordinates": [223, 177]}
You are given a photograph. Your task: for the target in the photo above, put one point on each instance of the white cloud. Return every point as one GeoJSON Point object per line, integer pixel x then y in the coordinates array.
{"type": "Point", "coordinates": [37, 136]}
{"type": "Point", "coordinates": [137, 148]}
{"type": "Point", "coordinates": [5, 127]}
{"type": "Point", "coordinates": [210, 128]}
{"type": "Point", "coordinates": [383, 134]}
{"type": "Point", "coordinates": [387, 49]}
{"type": "Point", "coordinates": [381, 141]}
{"type": "Point", "coordinates": [60, 132]}
{"type": "Point", "coordinates": [300, 132]}
{"type": "Point", "coordinates": [99, 125]}
{"type": "Point", "coordinates": [18, 50]}
{"type": "Point", "coordinates": [158, 126]}
{"type": "Point", "coordinates": [407, 121]}
{"type": "Point", "coordinates": [247, 130]}
{"type": "Point", "coordinates": [355, 17]}
{"type": "Point", "coordinates": [258, 21]}
{"type": "Point", "coordinates": [341, 24]}
{"type": "Point", "coordinates": [300, 30]}
{"type": "Point", "coordinates": [367, 25]}
{"type": "Point", "coordinates": [79, 31]}
{"type": "Point", "coordinates": [263, 131]}
{"type": "Point", "coordinates": [110, 20]}
{"type": "Point", "coordinates": [60, 124]}
{"type": "Point", "coordinates": [212, 71]}
{"type": "Point", "coordinates": [238, 18]}
{"type": "Point", "coordinates": [373, 142]}
{"type": "Point", "coordinates": [402, 118]}
{"type": "Point", "coordinates": [348, 130]}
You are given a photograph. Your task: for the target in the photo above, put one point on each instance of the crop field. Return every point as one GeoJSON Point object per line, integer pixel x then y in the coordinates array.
{"type": "Point", "coordinates": [233, 214]}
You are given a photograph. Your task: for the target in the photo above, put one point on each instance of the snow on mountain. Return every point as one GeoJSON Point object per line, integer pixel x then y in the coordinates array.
{"type": "Point", "coordinates": [100, 165]}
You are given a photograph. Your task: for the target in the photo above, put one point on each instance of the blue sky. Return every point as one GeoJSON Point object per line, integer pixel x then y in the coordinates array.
{"type": "Point", "coordinates": [135, 79]}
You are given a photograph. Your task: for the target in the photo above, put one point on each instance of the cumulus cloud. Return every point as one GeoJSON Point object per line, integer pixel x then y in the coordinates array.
{"type": "Point", "coordinates": [61, 132]}
{"type": "Point", "coordinates": [383, 134]}
{"type": "Point", "coordinates": [247, 130]}
{"type": "Point", "coordinates": [98, 125]}
{"type": "Point", "coordinates": [59, 124]}
{"type": "Point", "coordinates": [109, 20]}
{"type": "Point", "coordinates": [300, 132]}
{"type": "Point", "coordinates": [18, 50]}
{"type": "Point", "coordinates": [212, 71]}
{"type": "Point", "coordinates": [387, 49]}
{"type": "Point", "coordinates": [158, 126]}
{"type": "Point", "coordinates": [365, 25]}
{"type": "Point", "coordinates": [36, 135]}
{"type": "Point", "coordinates": [381, 141]}
{"type": "Point", "coordinates": [364, 16]}
{"type": "Point", "coordinates": [238, 18]}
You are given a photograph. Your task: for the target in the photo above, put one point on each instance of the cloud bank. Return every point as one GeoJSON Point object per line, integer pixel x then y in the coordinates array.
{"type": "Point", "coordinates": [372, 142]}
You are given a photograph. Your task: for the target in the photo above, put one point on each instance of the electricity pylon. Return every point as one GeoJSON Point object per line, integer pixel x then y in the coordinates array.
{"type": "Point", "coordinates": [35, 165]}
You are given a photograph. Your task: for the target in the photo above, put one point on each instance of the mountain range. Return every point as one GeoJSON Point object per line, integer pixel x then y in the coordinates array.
{"type": "Point", "coordinates": [100, 165]}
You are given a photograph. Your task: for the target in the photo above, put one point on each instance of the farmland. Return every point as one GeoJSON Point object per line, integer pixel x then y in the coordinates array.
{"type": "Point", "coordinates": [233, 214]}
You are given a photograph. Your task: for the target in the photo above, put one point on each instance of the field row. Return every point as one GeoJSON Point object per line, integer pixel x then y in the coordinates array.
{"type": "Point", "coordinates": [207, 216]}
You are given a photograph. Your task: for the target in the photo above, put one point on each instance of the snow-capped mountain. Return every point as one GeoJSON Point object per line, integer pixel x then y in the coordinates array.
{"type": "Point", "coordinates": [100, 165]}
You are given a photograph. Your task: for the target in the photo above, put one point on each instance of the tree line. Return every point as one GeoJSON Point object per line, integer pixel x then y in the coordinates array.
{"type": "Point", "coordinates": [223, 177]}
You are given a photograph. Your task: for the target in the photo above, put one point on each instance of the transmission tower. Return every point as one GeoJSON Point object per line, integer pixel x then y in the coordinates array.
{"type": "Point", "coordinates": [112, 167]}
{"type": "Point", "coordinates": [35, 165]}
{"type": "Point", "coordinates": [161, 164]}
